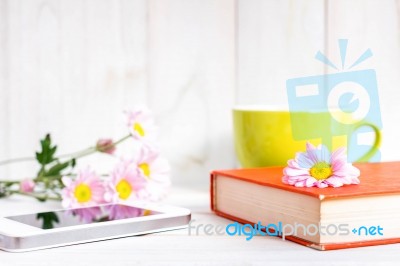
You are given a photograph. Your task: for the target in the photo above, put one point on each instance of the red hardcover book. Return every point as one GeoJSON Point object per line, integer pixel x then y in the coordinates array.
{"type": "Point", "coordinates": [350, 216]}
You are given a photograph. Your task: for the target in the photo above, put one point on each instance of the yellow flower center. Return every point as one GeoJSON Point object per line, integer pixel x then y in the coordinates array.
{"type": "Point", "coordinates": [321, 171]}
{"type": "Point", "coordinates": [82, 193]}
{"type": "Point", "coordinates": [145, 168]}
{"type": "Point", "coordinates": [139, 129]}
{"type": "Point", "coordinates": [124, 189]}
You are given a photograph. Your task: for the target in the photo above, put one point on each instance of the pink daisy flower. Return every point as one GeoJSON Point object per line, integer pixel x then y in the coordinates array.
{"type": "Point", "coordinates": [318, 167]}
{"type": "Point", "coordinates": [86, 190]}
{"type": "Point", "coordinates": [125, 183]}
{"type": "Point", "coordinates": [155, 169]}
{"type": "Point", "coordinates": [141, 125]}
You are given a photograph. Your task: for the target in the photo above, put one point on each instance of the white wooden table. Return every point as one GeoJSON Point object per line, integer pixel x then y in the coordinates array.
{"type": "Point", "coordinates": [178, 248]}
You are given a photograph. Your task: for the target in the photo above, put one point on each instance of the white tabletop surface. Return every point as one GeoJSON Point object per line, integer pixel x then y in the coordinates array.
{"type": "Point", "coordinates": [178, 248]}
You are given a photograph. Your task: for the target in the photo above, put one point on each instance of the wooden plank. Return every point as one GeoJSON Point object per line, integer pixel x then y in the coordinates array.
{"type": "Point", "coordinates": [104, 70]}
{"type": "Point", "coordinates": [23, 83]}
{"type": "Point", "coordinates": [191, 84]}
{"type": "Point", "coordinates": [375, 25]}
{"type": "Point", "coordinates": [4, 91]}
{"type": "Point", "coordinates": [277, 40]}
{"type": "Point", "coordinates": [72, 67]}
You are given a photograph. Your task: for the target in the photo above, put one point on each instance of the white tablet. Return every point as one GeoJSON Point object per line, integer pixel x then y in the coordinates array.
{"type": "Point", "coordinates": [73, 226]}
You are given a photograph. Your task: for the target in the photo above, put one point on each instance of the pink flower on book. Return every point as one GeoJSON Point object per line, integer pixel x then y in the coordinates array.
{"type": "Point", "coordinates": [125, 183]}
{"type": "Point", "coordinates": [141, 125]}
{"type": "Point", "coordinates": [318, 167]}
{"type": "Point", "coordinates": [155, 169]}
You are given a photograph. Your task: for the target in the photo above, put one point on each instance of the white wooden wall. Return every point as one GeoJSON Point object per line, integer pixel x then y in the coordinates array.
{"type": "Point", "coordinates": [71, 67]}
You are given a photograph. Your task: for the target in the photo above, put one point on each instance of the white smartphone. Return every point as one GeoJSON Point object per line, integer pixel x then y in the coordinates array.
{"type": "Point", "coordinates": [73, 226]}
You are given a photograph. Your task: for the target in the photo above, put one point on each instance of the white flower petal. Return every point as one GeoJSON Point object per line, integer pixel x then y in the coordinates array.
{"type": "Point", "coordinates": [310, 181]}
{"type": "Point", "coordinates": [303, 160]}
{"type": "Point", "coordinates": [294, 172]}
{"type": "Point", "coordinates": [66, 203]}
{"type": "Point", "coordinates": [285, 179]}
{"type": "Point", "coordinates": [338, 164]}
{"type": "Point", "coordinates": [339, 154]}
{"type": "Point", "coordinates": [355, 180]}
{"type": "Point", "coordinates": [293, 164]}
{"type": "Point", "coordinates": [324, 154]}
{"type": "Point", "coordinates": [334, 181]}
{"type": "Point", "coordinates": [310, 146]}
{"type": "Point", "coordinates": [299, 184]}
{"type": "Point", "coordinates": [322, 184]}
{"type": "Point", "coordinates": [67, 181]}
{"type": "Point", "coordinates": [347, 170]}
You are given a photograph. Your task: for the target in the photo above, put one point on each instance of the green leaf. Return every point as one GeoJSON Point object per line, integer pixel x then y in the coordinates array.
{"type": "Point", "coordinates": [41, 199]}
{"type": "Point", "coordinates": [49, 218]}
{"type": "Point", "coordinates": [56, 169]}
{"type": "Point", "coordinates": [46, 155]}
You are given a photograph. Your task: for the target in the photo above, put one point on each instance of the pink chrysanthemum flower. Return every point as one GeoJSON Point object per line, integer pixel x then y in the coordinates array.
{"type": "Point", "coordinates": [125, 183]}
{"type": "Point", "coordinates": [85, 190]}
{"type": "Point", "coordinates": [155, 169]}
{"type": "Point", "coordinates": [318, 167]}
{"type": "Point", "coordinates": [141, 125]}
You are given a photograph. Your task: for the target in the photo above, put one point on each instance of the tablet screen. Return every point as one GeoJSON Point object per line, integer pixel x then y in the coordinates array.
{"type": "Point", "coordinates": [71, 217]}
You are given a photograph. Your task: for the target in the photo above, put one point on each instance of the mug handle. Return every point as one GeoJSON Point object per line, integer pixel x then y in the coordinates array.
{"type": "Point", "coordinates": [375, 147]}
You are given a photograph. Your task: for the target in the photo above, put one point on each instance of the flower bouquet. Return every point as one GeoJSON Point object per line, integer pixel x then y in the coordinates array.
{"type": "Point", "coordinates": [143, 176]}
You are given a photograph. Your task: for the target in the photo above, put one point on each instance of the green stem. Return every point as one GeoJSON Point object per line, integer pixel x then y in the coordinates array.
{"type": "Point", "coordinates": [17, 160]}
{"type": "Point", "coordinates": [9, 182]}
{"type": "Point", "coordinates": [79, 154]}
{"type": "Point", "coordinates": [92, 150]}
{"type": "Point", "coordinates": [122, 140]}
{"type": "Point", "coordinates": [36, 196]}
{"type": "Point", "coordinates": [12, 182]}
{"type": "Point", "coordinates": [75, 155]}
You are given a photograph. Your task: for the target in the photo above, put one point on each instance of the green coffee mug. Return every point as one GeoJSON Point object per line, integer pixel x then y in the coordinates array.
{"type": "Point", "coordinates": [263, 137]}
